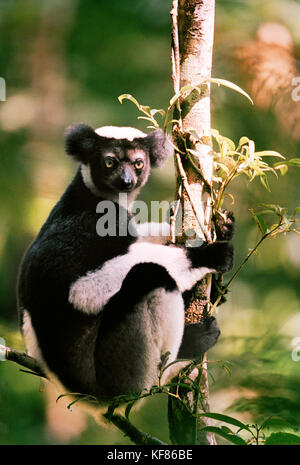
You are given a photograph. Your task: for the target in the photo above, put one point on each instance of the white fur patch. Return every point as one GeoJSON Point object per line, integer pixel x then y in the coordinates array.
{"type": "Point", "coordinates": [87, 179]}
{"type": "Point", "coordinates": [161, 321]}
{"type": "Point", "coordinates": [92, 291]}
{"type": "Point", "coordinates": [117, 132]}
{"type": "Point", "coordinates": [150, 230]}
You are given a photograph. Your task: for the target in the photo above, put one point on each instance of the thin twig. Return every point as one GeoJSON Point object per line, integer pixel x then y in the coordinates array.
{"type": "Point", "coordinates": [22, 359]}
{"type": "Point", "coordinates": [175, 47]}
{"type": "Point", "coordinates": [187, 189]}
{"type": "Point", "coordinates": [134, 434]}
{"type": "Point", "coordinates": [174, 215]}
{"type": "Point", "coordinates": [248, 256]}
{"type": "Point", "coordinates": [124, 425]}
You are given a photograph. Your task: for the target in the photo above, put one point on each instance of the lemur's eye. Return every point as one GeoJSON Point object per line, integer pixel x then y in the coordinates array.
{"type": "Point", "coordinates": [109, 162]}
{"type": "Point", "coordinates": [139, 164]}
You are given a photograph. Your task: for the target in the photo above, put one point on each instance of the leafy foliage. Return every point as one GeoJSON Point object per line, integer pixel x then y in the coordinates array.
{"type": "Point", "coordinates": [230, 162]}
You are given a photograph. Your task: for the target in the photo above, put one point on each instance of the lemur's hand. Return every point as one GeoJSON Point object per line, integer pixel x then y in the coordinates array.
{"type": "Point", "coordinates": [225, 225]}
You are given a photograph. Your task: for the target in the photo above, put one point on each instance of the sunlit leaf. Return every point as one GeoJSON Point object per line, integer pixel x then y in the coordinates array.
{"type": "Point", "coordinates": [265, 182]}
{"type": "Point", "coordinates": [160, 112]}
{"type": "Point", "coordinates": [230, 196]}
{"type": "Point", "coordinates": [145, 118]}
{"type": "Point", "coordinates": [223, 166]}
{"type": "Point", "coordinates": [231, 85]}
{"type": "Point", "coordinates": [283, 168]}
{"type": "Point", "coordinates": [243, 140]}
{"type": "Point", "coordinates": [269, 153]}
{"type": "Point", "coordinates": [129, 97]}
{"type": "Point", "coordinates": [230, 143]}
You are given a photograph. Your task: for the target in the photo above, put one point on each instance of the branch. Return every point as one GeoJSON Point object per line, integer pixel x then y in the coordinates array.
{"type": "Point", "coordinates": [134, 434]}
{"type": "Point", "coordinates": [124, 425]}
{"type": "Point", "coordinates": [22, 359]}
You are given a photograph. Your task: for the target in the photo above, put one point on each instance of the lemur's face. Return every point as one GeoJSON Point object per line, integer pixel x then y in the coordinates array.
{"type": "Point", "coordinates": [116, 159]}
{"type": "Point", "coordinates": [120, 166]}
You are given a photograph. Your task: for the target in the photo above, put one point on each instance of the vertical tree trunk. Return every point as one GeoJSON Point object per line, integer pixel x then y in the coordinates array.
{"type": "Point", "coordinates": [193, 31]}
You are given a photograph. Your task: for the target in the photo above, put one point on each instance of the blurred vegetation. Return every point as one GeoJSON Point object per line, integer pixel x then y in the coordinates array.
{"type": "Point", "coordinates": [66, 62]}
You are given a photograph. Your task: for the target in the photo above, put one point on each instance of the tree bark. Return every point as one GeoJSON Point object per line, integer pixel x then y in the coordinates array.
{"type": "Point", "coordinates": [192, 44]}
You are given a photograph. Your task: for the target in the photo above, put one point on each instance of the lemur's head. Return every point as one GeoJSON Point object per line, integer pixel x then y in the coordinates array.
{"type": "Point", "coordinates": [116, 159]}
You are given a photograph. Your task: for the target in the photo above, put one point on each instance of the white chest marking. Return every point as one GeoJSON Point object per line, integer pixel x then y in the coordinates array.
{"type": "Point", "coordinates": [92, 291]}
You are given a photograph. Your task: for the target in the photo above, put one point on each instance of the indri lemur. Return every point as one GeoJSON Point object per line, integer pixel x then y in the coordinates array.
{"type": "Point", "coordinates": [99, 312]}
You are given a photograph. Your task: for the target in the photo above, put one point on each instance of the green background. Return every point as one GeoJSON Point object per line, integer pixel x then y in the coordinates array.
{"type": "Point", "coordinates": [68, 61]}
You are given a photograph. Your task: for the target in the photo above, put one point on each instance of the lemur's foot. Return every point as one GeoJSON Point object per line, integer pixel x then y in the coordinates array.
{"type": "Point", "coordinates": [224, 223]}
{"type": "Point", "coordinates": [199, 338]}
{"type": "Point", "coordinates": [217, 290]}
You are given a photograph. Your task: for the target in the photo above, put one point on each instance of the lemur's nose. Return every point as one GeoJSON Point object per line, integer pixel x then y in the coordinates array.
{"type": "Point", "coordinates": [126, 179]}
{"type": "Point", "coordinates": [126, 184]}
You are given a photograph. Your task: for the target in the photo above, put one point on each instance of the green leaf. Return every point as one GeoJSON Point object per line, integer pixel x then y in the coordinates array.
{"type": "Point", "coordinates": [182, 91]}
{"type": "Point", "coordinates": [271, 206]}
{"type": "Point", "coordinates": [226, 194]}
{"type": "Point", "coordinates": [243, 140]}
{"type": "Point", "coordinates": [265, 182]}
{"type": "Point", "coordinates": [293, 162]}
{"type": "Point", "coordinates": [225, 419]}
{"type": "Point", "coordinates": [231, 437]}
{"type": "Point", "coordinates": [224, 82]}
{"type": "Point", "coordinates": [128, 408]}
{"type": "Point", "coordinates": [110, 411]}
{"type": "Point", "coordinates": [224, 167]}
{"type": "Point", "coordinates": [260, 221]}
{"type": "Point", "coordinates": [160, 111]}
{"type": "Point", "coordinates": [230, 143]}
{"type": "Point", "coordinates": [145, 108]}
{"type": "Point", "coordinates": [282, 439]}
{"type": "Point", "coordinates": [129, 97]}
{"type": "Point", "coordinates": [283, 168]}
{"type": "Point", "coordinates": [269, 153]}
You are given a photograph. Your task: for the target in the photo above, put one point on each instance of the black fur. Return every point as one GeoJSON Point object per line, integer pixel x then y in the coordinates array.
{"type": "Point", "coordinates": [159, 147]}
{"type": "Point", "coordinates": [80, 141]}
{"type": "Point", "coordinates": [66, 248]}
{"type": "Point", "coordinates": [199, 338]}
{"type": "Point", "coordinates": [116, 316]}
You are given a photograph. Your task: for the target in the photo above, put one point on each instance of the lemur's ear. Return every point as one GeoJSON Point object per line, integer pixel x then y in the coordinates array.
{"type": "Point", "coordinates": [159, 147]}
{"type": "Point", "coordinates": [81, 141]}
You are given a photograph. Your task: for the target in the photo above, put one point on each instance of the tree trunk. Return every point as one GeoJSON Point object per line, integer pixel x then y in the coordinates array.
{"type": "Point", "coordinates": [193, 31]}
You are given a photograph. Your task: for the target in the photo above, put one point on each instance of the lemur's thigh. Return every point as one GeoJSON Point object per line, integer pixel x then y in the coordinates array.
{"type": "Point", "coordinates": [144, 320]}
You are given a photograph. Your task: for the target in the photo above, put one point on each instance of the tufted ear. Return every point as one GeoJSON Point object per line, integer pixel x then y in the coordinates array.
{"type": "Point", "coordinates": [159, 147]}
{"type": "Point", "coordinates": [81, 141]}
